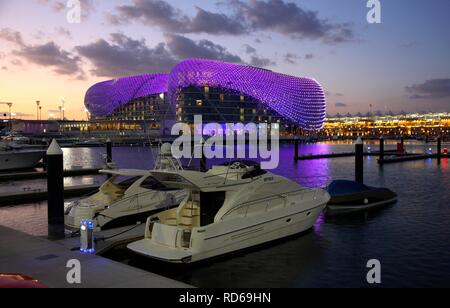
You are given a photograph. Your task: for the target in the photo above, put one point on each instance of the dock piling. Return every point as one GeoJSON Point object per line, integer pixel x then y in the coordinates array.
{"type": "Point", "coordinates": [439, 147]}
{"type": "Point", "coordinates": [55, 188]}
{"type": "Point", "coordinates": [203, 160]}
{"type": "Point", "coordinates": [109, 151]}
{"type": "Point", "coordinates": [359, 161]}
{"type": "Point", "coordinates": [381, 159]}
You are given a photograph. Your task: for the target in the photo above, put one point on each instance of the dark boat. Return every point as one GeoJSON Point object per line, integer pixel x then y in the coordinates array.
{"type": "Point", "coordinates": [349, 197]}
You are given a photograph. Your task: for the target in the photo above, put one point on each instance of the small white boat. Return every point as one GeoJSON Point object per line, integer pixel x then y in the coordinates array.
{"type": "Point", "coordinates": [128, 197]}
{"type": "Point", "coordinates": [14, 158]}
{"type": "Point", "coordinates": [229, 208]}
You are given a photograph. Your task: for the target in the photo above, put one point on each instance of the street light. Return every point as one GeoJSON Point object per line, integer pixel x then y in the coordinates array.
{"type": "Point", "coordinates": [38, 103]}
{"type": "Point", "coordinates": [10, 115]}
{"type": "Point", "coordinates": [63, 100]}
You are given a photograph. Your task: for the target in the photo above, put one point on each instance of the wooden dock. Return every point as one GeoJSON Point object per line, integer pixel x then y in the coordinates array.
{"type": "Point", "coordinates": [47, 261]}
{"type": "Point", "coordinates": [31, 175]}
{"type": "Point", "coordinates": [7, 199]}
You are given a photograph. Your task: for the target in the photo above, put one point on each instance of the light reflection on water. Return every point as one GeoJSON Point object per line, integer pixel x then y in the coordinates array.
{"type": "Point", "coordinates": [411, 238]}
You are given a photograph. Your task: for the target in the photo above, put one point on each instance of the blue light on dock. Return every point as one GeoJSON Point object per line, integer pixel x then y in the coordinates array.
{"type": "Point", "coordinates": [87, 238]}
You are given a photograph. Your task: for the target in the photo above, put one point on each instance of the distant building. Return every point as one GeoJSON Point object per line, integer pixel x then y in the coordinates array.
{"type": "Point", "coordinates": [220, 92]}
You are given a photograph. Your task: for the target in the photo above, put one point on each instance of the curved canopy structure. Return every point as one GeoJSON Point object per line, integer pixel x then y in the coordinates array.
{"type": "Point", "coordinates": [301, 100]}
{"type": "Point", "coordinates": [105, 97]}
{"type": "Point", "coordinates": [298, 99]}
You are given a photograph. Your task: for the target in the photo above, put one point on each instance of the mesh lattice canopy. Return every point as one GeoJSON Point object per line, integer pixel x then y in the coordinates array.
{"type": "Point", "coordinates": [301, 100]}
{"type": "Point", "coordinates": [105, 97]}
{"type": "Point", "coordinates": [298, 99]}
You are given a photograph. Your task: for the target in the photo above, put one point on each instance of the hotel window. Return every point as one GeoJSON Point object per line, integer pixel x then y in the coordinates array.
{"type": "Point", "coordinates": [242, 118]}
{"type": "Point", "coordinates": [254, 111]}
{"type": "Point", "coordinates": [242, 110]}
{"type": "Point", "coordinates": [222, 97]}
{"type": "Point", "coordinates": [206, 90]}
{"type": "Point", "coordinates": [199, 103]}
{"type": "Point", "coordinates": [242, 98]}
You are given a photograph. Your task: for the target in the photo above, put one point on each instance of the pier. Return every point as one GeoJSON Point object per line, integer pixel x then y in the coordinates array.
{"type": "Point", "coordinates": [46, 261]}
{"type": "Point", "coordinates": [7, 199]}
{"type": "Point", "coordinates": [31, 175]}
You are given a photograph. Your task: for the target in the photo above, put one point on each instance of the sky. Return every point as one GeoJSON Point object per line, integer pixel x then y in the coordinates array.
{"type": "Point", "coordinates": [401, 64]}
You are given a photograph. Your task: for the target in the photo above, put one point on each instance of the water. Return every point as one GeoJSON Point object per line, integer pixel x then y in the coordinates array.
{"type": "Point", "coordinates": [410, 238]}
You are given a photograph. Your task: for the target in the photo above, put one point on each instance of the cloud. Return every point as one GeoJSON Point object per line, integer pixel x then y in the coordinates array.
{"type": "Point", "coordinates": [48, 55]}
{"type": "Point", "coordinates": [434, 89]}
{"type": "Point", "coordinates": [170, 19]}
{"type": "Point", "coordinates": [63, 32]}
{"type": "Point", "coordinates": [184, 47]}
{"type": "Point", "coordinates": [124, 56]}
{"type": "Point", "coordinates": [340, 105]}
{"type": "Point", "coordinates": [309, 56]}
{"type": "Point", "coordinates": [278, 16]}
{"type": "Point", "coordinates": [291, 58]}
{"type": "Point", "coordinates": [261, 62]}
{"type": "Point", "coordinates": [121, 55]}
{"type": "Point", "coordinates": [4, 68]}
{"type": "Point", "coordinates": [249, 49]}
{"type": "Point", "coordinates": [11, 36]}
{"type": "Point", "coordinates": [290, 19]}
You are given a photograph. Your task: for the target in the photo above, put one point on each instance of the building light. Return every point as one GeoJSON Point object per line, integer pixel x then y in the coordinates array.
{"type": "Point", "coordinates": [199, 103]}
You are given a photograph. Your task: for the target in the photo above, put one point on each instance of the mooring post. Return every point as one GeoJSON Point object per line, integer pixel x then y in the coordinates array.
{"type": "Point", "coordinates": [439, 147]}
{"type": "Point", "coordinates": [44, 162]}
{"type": "Point", "coordinates": [381, 159]}
{"type": "Point", "coordinates": [359, 161]}
{"type": "Point", "coordinates": [296, 148]}
{"type": "Point", "coordinates": [55, 189]}
{"type": "Point", "coordinates": [203, 160]}
{"type": "Point", "coordinates": [109, 151]}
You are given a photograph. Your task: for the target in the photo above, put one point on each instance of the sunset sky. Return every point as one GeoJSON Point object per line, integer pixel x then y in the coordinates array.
{"type": "Point", "coordinates": [401, 64]}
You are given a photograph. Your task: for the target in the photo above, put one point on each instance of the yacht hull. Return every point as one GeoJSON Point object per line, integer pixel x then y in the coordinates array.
{"type": "Point", "coordinates": [226, 237]}
{"type": "Point", "coordinates": [17, 160]}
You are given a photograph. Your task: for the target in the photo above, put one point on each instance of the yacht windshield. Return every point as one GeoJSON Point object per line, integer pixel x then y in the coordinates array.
{"type": "Point", "coordinates": [124, 182]}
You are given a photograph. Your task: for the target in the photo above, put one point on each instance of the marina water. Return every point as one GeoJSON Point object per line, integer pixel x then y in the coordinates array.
{"type": "Point", "coordinates": [411, 238]}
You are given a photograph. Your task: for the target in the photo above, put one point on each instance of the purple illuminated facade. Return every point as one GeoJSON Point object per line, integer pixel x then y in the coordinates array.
{"type": "Point", "coordinates": [104, 98]}
{"type": "Point", "coordinates": [298, 100]}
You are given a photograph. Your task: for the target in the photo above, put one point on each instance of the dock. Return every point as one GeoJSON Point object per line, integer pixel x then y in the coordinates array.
{"type": "Point", "coordinates": [46, 261]}
{"type": "Point", "coordinates": [343, 154]}
{"type": "Point", "coordinates": [7, 199]}
{"type": "Point", "coordinates": [31, 175]}
{"type": "Point", "coordinates": [412, 157]}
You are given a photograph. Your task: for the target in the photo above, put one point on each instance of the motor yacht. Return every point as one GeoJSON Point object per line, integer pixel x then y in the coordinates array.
{"type": "Point", "coordinates": [127, 197]}
{"type": "Point", "coordinates": [229, 208]}
{"type": "Point", "coordinates": [14, 157]}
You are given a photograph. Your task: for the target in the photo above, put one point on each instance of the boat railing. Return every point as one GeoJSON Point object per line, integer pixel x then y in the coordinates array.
{"type": "Point", "coordinates": [245, 207]}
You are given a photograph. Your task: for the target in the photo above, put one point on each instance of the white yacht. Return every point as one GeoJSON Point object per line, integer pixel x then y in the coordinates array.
{"type": "Point", "coordinates": [127, 197]}
{"type": "Point", "coordinates": [14, 157]}
{"type": "Point", "coordinates": [229, 208]}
